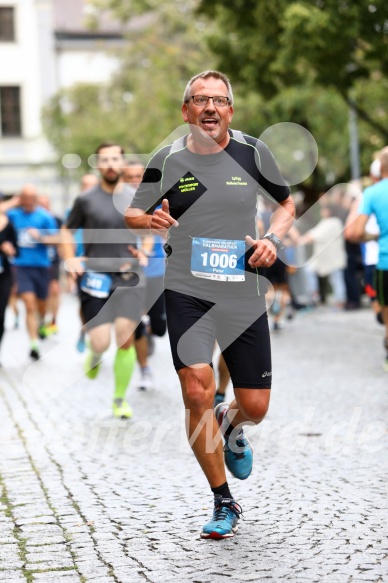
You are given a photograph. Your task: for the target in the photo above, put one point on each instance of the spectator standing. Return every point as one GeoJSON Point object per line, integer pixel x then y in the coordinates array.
{"type": "Point", "coordinates": [329, 255]}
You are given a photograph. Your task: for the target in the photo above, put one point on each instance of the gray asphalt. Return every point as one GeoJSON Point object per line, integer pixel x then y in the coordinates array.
{"type": "Point", "coordinates": [84, 497]}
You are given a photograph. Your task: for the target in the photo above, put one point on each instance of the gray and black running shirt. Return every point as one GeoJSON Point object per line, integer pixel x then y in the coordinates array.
{"type": "Point", "coordinates": [214, 199]}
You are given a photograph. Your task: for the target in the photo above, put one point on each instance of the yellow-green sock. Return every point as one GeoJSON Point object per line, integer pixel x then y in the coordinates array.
{"type": "Point", "coordinates": [123, 368]}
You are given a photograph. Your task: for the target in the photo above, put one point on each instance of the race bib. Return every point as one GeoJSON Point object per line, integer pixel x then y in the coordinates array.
{"type": "Point", "coordinates": [25, 240]}
{"type": "Point", "coordinates": [95, 284]}
{"type": "Point", "coordinates": [51, 252]}
{"type": "Point", "coordinates": [218, 259]}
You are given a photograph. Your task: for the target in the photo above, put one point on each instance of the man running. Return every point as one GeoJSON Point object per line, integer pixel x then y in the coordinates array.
{"type": "Point", "coordinates": [207, 183]}
{"type": "Point", "coordinates": [36, 230]}
{"type": "Point", "coordinates": [374, 202]}
{"type": "Point", "coordinates": [110, 277]}
{"type": "Point", "coordinates": [154, 322]}
{"type": "Point", "coordinates": [54, 293]}
{"type": "Point", "coordinates": [87, 181]}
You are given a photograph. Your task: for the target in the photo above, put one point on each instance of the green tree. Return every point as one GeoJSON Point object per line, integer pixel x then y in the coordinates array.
{"type": "Point", "coordinates": [328, 43]}
{"type": "Point", "coordinates": [140, 107]}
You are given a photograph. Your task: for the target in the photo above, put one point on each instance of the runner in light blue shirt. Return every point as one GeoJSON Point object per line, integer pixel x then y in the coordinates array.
{"type": "Point", "coordinates": [375, 201]}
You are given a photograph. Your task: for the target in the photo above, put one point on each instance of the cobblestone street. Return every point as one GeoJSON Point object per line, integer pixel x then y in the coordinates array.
{"type": "Point", "coordinates": [84, 497]}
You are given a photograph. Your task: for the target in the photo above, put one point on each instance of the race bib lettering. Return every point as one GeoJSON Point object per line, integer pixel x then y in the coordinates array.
{"type": "Point", "coordinates": [218, 259]}
{"type": "Point", "coordinates": [97, 285]}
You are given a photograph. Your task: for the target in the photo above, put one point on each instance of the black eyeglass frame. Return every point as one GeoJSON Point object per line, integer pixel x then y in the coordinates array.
{"type": "Point", "coordinates": [207, 100]}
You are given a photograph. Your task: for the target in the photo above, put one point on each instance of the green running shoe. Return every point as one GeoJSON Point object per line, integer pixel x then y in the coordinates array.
{"type": "Point", "coordinates": [92, 365]}
{"type": "Point", "coordinates": [43, 332]}
{"type": "Point", "coordinates": [121, 409]}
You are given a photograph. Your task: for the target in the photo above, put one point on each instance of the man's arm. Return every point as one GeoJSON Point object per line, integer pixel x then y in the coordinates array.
{"type": "Point", "coordinates": [159, 222]}
{"type": "Point", "coordinates": [355, 230]}
{"type": "Point", "coordinates": [51, 239]}
{"type": "Point", "coordinates": [265, 251]}
{"type": "Point", "coordinates": [137, 219]}
{"type": "Point", "coordinates": [282, 218]}
{"type": "Point", "coordinates": [11, 203]}
{"type": "Point", "coordinates": [306, 239]}
{"type": "Point", "coordinates": [73, 264]}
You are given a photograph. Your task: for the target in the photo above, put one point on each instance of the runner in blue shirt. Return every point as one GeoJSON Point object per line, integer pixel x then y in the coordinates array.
{"type": "Point", "coordinates": [375, 202]}
{"type": "Point", "coordinates": [36, 230]}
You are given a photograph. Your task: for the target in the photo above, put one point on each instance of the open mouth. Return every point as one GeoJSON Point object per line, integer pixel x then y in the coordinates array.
{"type": "Point", "coordinates": [209, 122]}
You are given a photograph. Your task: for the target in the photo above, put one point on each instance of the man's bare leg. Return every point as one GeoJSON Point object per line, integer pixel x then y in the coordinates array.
{"type": "Point", "coordinates": [198, 387]}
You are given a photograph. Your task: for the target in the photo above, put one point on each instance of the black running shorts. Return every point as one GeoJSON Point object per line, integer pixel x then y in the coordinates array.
{"type": "Point", "coordinates": [277, 273]}
{"type": "Point", "coordinates": [240, 327]}
{"type": "Point", "coordinates": [381, 286]}
{"type": "Point", "coordinates": [34, 280]}
{"type": "Point", "coordinates": [122, 303]}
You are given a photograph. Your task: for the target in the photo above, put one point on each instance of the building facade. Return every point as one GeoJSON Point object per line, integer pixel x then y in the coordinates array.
{"type": "Point", "coordinates": [45, 45]}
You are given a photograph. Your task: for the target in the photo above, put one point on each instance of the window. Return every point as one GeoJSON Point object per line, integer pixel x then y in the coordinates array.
{"type": "Point", "coordinates": [7, 26]}
{"type": "Point", "coordinates": [10, 117]}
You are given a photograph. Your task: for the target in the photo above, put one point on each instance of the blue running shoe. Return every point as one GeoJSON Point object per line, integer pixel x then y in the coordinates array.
{"type": "Point", "coordinates": [238, 452]}
{"type": "Point", "coordinates": [225, 517]}
{"type": "Point", "coordinates": [218, 398]}
{"type": "Point", "coordinates": [81, 345]}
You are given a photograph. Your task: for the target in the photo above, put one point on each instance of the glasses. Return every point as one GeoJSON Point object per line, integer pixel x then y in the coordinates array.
{"type": "Point", "coordinates": [202, 100]}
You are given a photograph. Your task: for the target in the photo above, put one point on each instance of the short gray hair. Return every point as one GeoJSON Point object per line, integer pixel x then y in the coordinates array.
{"type": "Point", "coordinates": [206, 75]}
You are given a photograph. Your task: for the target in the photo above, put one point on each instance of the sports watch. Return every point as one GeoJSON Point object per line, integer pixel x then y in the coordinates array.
{"type": "Point", "coordinates": [275, 240]}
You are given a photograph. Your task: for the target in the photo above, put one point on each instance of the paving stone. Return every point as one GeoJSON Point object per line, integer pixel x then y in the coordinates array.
{"type": "Point", "coordinates": [12, 578]}
{"type": "Point", "coordinates": [34, 541]}
{"type": "Point", "coordinates": [35, 520]}
{"type": "Point", "coordinates": [92, 568]}
{"type": "Point", "coordinates": [11, 562]}
{"type": "Point", "coordinates": [83, 497]}
{"type": "Point", "coordinates": [49, 563]}
{"type": "Point", "coordinates": [54, 576]}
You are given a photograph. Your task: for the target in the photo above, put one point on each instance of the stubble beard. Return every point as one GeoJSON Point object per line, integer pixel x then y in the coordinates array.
{"type": "Point", "coordinates": [111, 180]}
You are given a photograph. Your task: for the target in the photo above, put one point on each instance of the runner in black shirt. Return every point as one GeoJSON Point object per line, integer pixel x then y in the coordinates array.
{"type": "Point", "coordinates": [207, 184]}
{"type": "Point", "coordinates": [8, 245]}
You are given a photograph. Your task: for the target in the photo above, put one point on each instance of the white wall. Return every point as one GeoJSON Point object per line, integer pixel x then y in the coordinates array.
{"type": "Point", "coordinates": [27, 158]}
{"type": "Point", "coordinates": [40, 67]}
{"type": "Point", "coordinates": [20, 66]}
{"type": "Point", "coordinates": [84, 66]}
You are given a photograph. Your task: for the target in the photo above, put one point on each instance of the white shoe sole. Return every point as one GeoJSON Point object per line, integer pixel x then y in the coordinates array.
{"type": "Point", "coordinates": [145, 385]}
